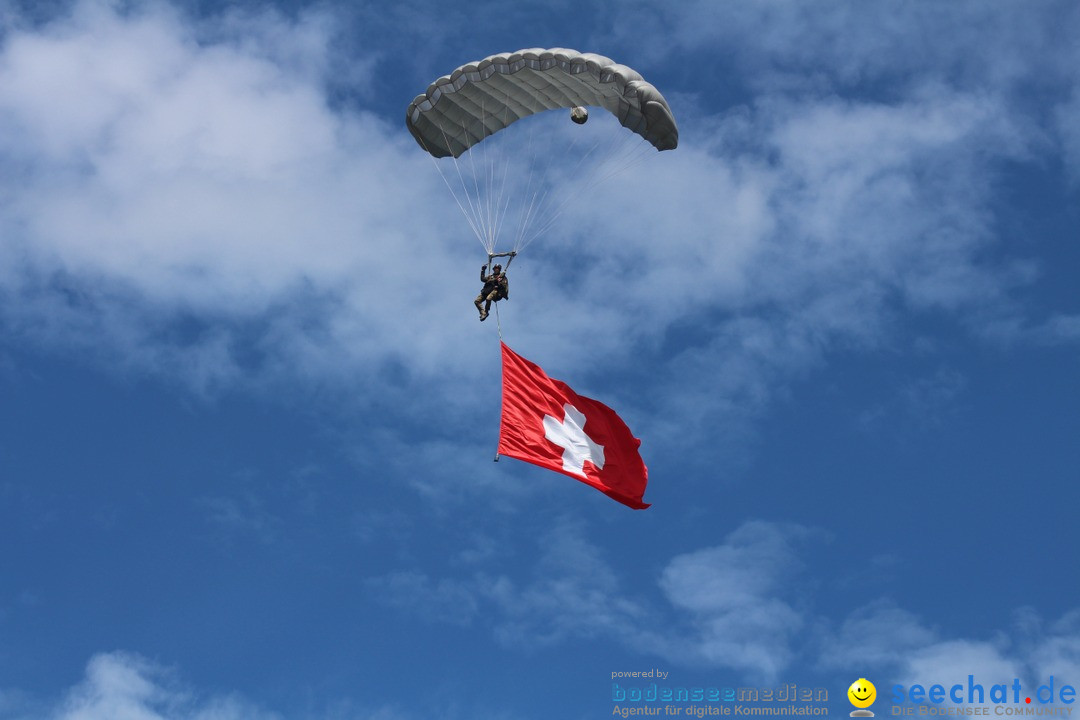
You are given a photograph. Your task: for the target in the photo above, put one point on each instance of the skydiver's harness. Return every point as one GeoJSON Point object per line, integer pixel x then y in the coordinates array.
{"type": "Point", "coordinates": [504, 286]}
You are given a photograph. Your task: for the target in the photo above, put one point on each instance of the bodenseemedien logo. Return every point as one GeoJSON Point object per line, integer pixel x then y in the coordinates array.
{"type": "Point", "coordinates": [862, 694]}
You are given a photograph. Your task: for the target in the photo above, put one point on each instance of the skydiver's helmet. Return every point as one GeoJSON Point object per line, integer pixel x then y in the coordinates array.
{"type": "Point", "coordinates": [579, 115]}
{"type": "Point", "coordinates": [497, 268]}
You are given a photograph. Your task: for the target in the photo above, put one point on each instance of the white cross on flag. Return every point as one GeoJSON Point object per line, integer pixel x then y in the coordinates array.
{"type": "Point", "coordinates": [546, 423]}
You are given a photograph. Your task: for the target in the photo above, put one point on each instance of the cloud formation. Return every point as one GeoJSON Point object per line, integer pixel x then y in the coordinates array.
{"type": "Point", "coordinates": [123, 686]}
{"type": "Point", "coordinates": [744, 605]}
{"type": "Point", "coordinates": [188, 201]}
{"type": "Point", "coordinates": [730, 606]}
{"type": "Point", "coordinates": [187, 198]}
{"type": "Point", "coordinates": [738, 600]}
{"type": "Point", "coordinates": [194, 201]}
{"type": "Point", "coordinates": [126, 686]}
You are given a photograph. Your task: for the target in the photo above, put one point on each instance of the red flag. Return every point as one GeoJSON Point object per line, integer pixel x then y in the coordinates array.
{"type": "Point", "coordinates": [546, 423]}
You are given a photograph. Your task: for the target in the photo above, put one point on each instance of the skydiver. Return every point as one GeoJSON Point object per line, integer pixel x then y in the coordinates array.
{"type": "Point", "coordinates": [496, 287]}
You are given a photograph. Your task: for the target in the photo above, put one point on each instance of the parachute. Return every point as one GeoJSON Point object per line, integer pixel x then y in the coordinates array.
{"type": "Point", "coordinates": [479, 100]}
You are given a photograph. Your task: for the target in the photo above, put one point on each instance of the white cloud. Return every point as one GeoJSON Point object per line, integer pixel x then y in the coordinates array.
{"type": "Point", "coordinates": [576, 595]}
{"type": "Point", "coordinates": [738, 599]}
{"type": "Point", "coordinates": [878, 138]}
{"type": "Point", "coordinates": [125, 686]}
{"type": "Point", "coordinates": [443, 601]}
{"type": "Point", "coordinates": [956, 659]}
{"type": "Point", "coordinates": [243, 516]}
{"type": "Point", "coordinates": [874, 636]}
{"type": "Point", "coordinates": [1055, 651]}
{"type": "Point", "coordinates": [844, 44]}
{"type": "Point", "coordinates": [798, 228]}
{"type": "Point", "coordinates": [728, 601]}
{"type": "Point", "coordinates": [571, 592]}
{"type": "Point", "coordinates": [744, 605]}
{"type": "Point", "coordinates": [887, 640]}
{"type": "Point", "coordinates": [1057, 330]}
{"type": "Point", "coordinates": [120, 686]}
{"type": "Point", "coordinates": [182, 199]}
{"type": "Point", "coordinates": [155, 175]}
{"type": "Point", "coordinates": [1068, 122]}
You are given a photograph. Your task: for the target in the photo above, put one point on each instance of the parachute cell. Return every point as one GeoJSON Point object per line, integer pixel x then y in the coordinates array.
{"type": "Point", "coordinates": [480, 99]}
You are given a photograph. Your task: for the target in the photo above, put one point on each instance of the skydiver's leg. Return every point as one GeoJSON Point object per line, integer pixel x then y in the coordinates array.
{"type": "Point", "coordinates": [487, 305]}
{"type": "Point", "coordinates": [479, 299]}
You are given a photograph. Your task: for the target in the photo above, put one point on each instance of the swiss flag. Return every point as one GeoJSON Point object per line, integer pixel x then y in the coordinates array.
{"type": "Point", "coordinates": [546, 423]}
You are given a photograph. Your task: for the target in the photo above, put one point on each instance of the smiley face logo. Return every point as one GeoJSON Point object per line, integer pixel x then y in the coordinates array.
{"type": "Point", "coordinates": [862, 693]}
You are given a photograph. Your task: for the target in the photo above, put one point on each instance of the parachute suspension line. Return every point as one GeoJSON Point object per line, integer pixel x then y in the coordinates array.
{"type": "Point", "coordinates": [479, 220]}
{"type": "Point", "coordinates": [469, 216]}
{"type": "Point", "coordinates": [498, 324]}
{"type": "Point", "coordinates": [485, 177]}
{"type": "Point", "coordinates": [529, 210]}
{"type": "Point", "coordinates": [536, 206]}
{"type": "Point", "coordinates": [488, 194]}
{"type": "Point", "coordinates": [531, 176]}
{"type": "Point", "coordinates": [502, 200]}
{"type": "Point", "coordinates": [485, 239]}
{"type": "Point", "coordinates": [498, 320]}
{"type": "Point", "coordinates": [633, 157]}
{"type": "Point", "coordinates": [498, 196]}
{"type": "Point", "coordinates": [548, 219]}
{"type": "Point", "coordinates": [473, 215]}
{"type": "Point", "coordinates": [627, 160]}
{"type": "Point", "coordinates": [545, 216]}
{"type": "Point", "coordinates": [488, 197]}
{"type": "Point", "coordinates": [505, 196]}
{"type": "Point", "coordinates": [537, 202]}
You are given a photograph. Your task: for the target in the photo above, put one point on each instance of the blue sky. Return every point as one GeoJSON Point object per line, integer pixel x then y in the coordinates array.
{"type": "Point", "coordinates": [247, 413]}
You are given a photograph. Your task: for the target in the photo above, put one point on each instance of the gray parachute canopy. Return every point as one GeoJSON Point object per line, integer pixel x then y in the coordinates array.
{"type": "Point", "coordinates": [479, 99]}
